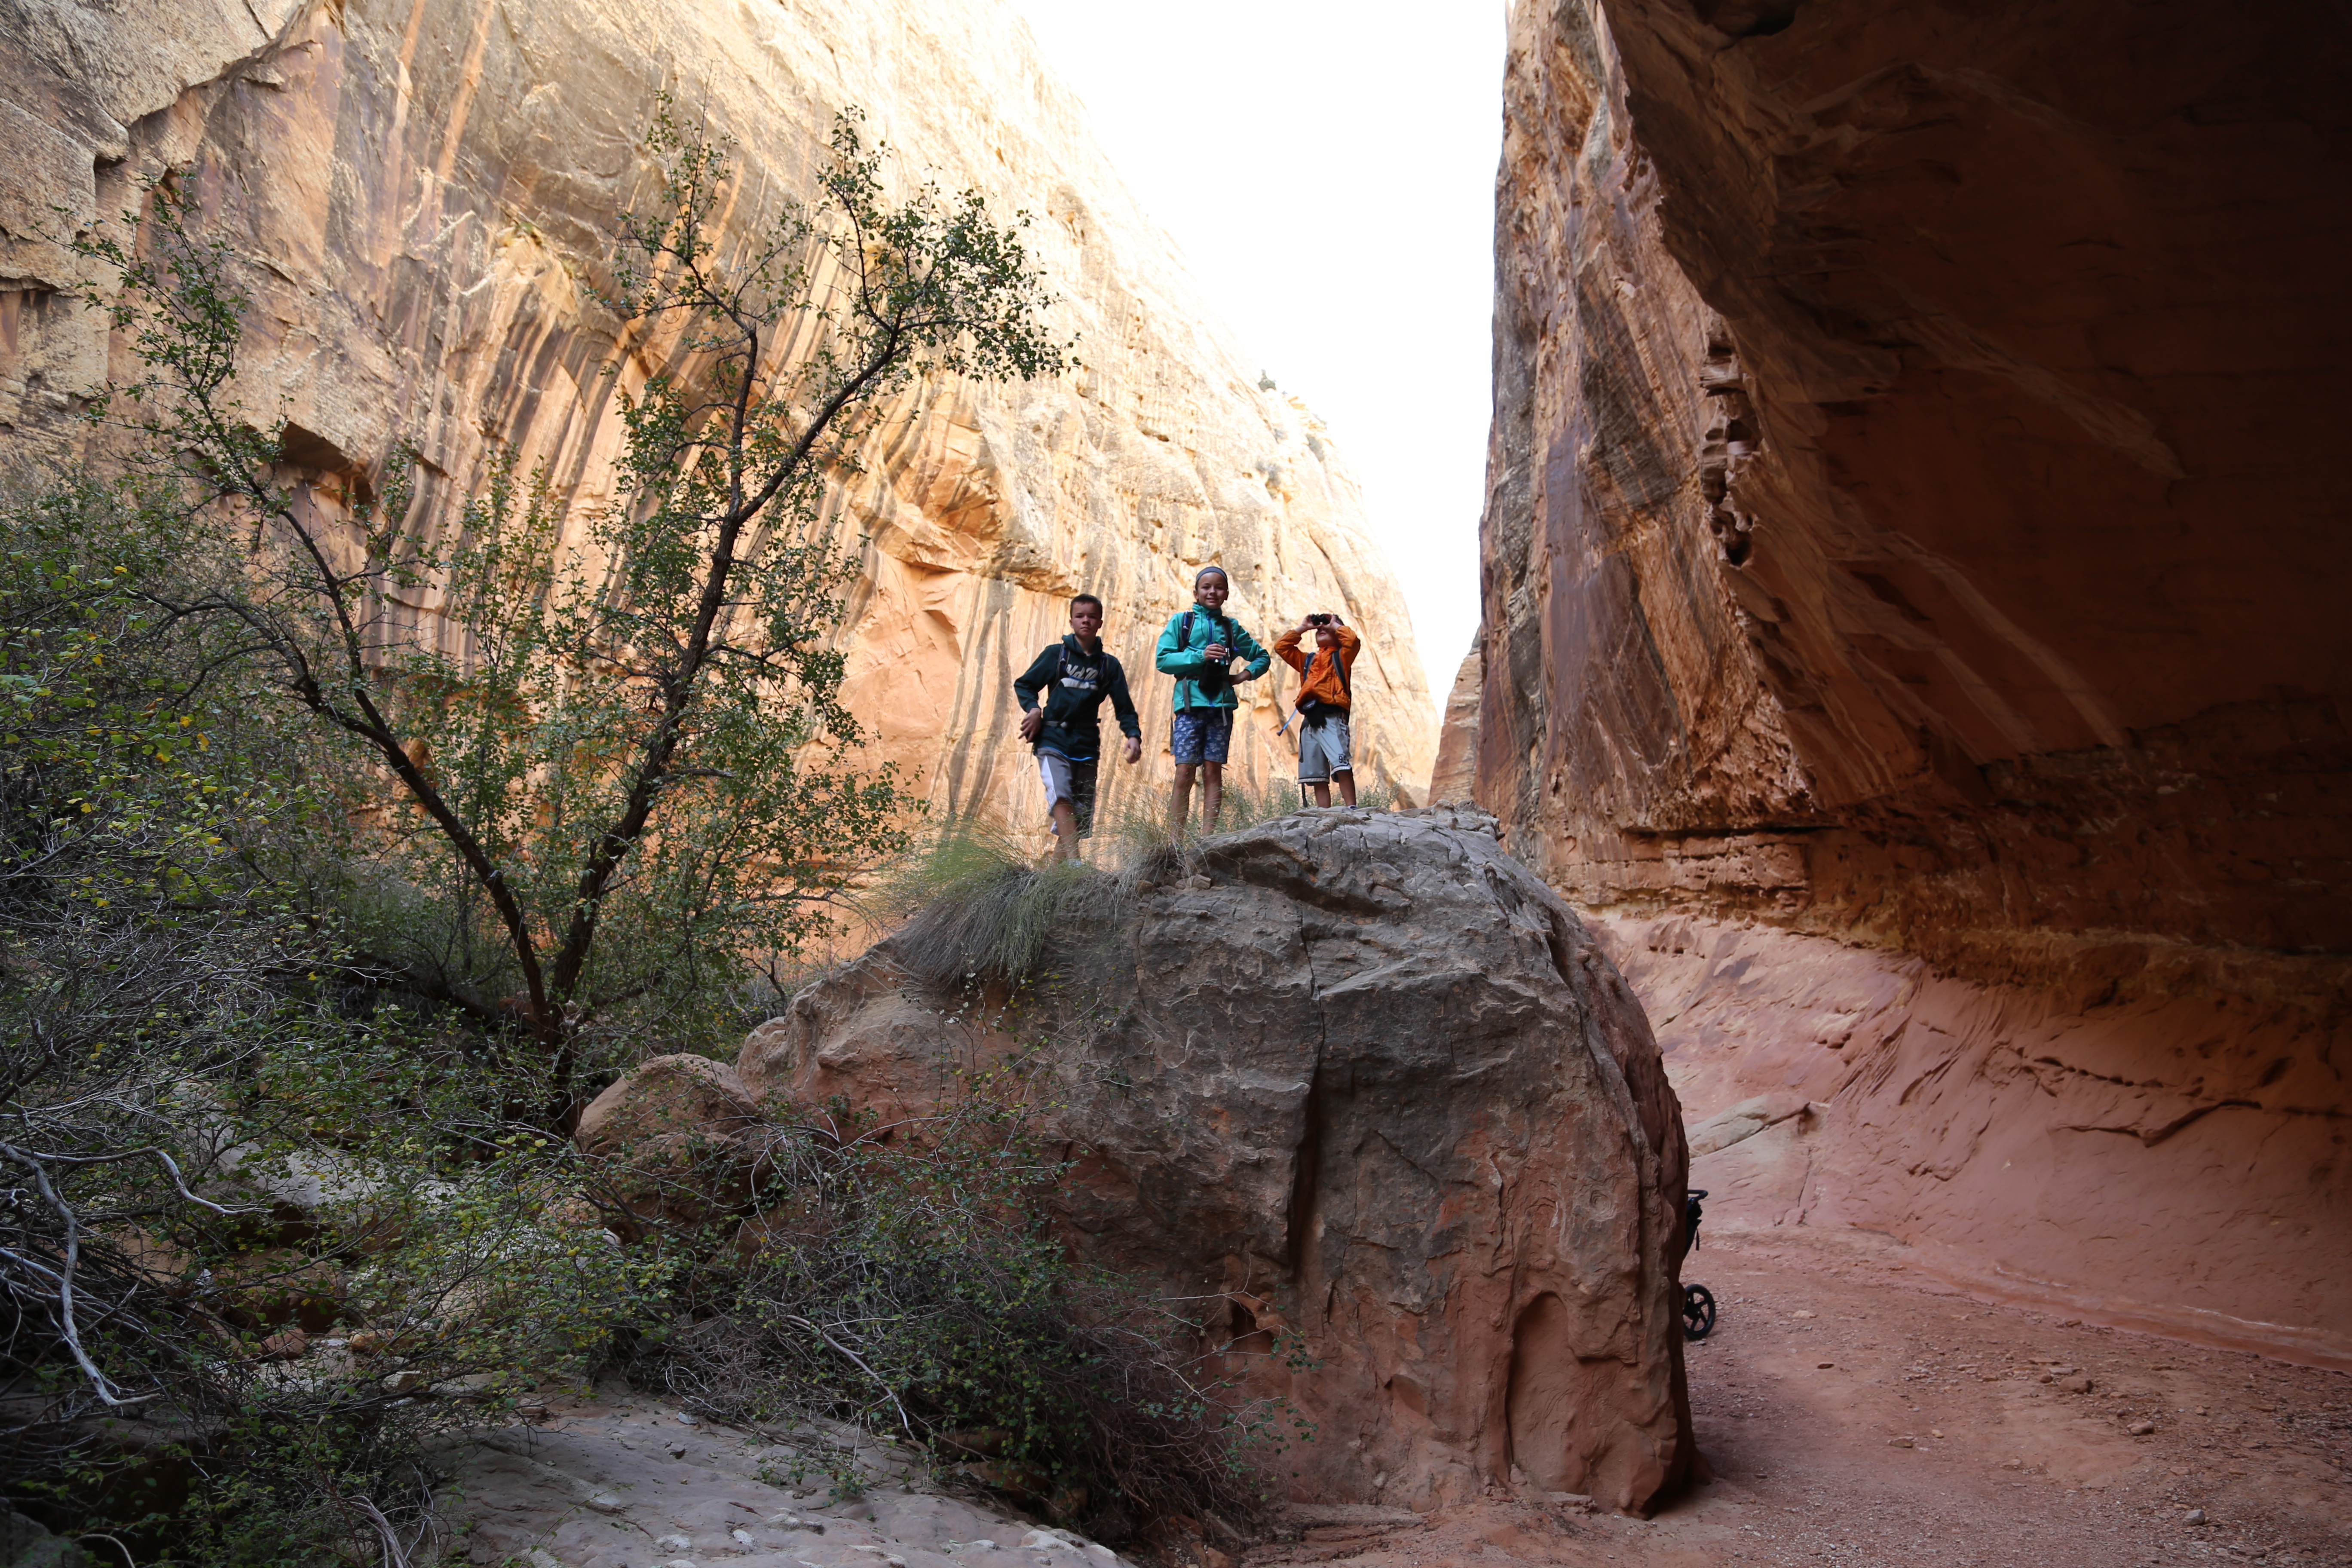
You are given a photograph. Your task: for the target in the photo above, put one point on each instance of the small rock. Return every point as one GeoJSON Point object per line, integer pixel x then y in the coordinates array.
{"type": "Point", "coordinates": [407, 1382]}
{"type": "Point", "coordinates": [2196, 1516]}
{"type": "Point", "coordinates": [2076, 1384]}
{"type": "Point", "coordinates": [2070, 1322]}
{"type": "Point", "coordinates": [743, 1539]}
{"type": "Point", "coordinates": [1824, 1365]}
{"type": "Point", "coordinates": [1801, 1314]}
{"type": "Point", "coordinates": [1901, 1443]}
{"type": "Point", "coordinates": [675, 1543]}
{"type": "Point", "coordinates": [291, 1345]}
{"type": "Point", "coordinates": [677, 1450]}
{"type": "Point", "coordinates": [470, 1385]}
{"type": "Point", "coordinates": [2142, 1428]}
{"type": "Point", "coordinates": [1935, 1432]}
{"type": "Point", "coordinates": [605, 1502]}
{"type": "Point", "coordinates": [686, 1420]}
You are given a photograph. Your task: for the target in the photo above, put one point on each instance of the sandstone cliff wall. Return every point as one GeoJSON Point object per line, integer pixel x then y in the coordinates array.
{"type": "Point", "coordinates": [1903, 510]}
{"type": "Point", "coordinates": [421, 189]}
{"type": "Point", "coordinates": [1903, 527]}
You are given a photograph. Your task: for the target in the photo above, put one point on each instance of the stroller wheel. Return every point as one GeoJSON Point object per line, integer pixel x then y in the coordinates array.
{"type": "Point", "coordinates": [1698, 1311]}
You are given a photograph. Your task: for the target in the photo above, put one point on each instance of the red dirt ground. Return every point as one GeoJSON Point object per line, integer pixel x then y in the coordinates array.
{"type": "Point", "coordinates": [1826, 1355]}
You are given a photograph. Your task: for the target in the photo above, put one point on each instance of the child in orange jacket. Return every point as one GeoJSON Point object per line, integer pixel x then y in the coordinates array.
{"type": "Point", "coordinates": [1323, 703]}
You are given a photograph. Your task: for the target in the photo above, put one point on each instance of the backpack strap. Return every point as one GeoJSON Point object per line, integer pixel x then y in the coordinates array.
{"type": "Point", "coordinates": [1346, 689]}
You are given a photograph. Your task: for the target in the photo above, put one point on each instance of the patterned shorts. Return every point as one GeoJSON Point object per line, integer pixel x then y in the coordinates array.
{"type": "Point", "coordinates": [1201, 735]}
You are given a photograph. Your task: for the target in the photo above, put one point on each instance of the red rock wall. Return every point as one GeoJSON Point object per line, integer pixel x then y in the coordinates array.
{"type": "Point", "coordinates": [421, 194]}
{"type": "Point", "coordinates": [1905, 526]}
{"type": "Point", "coordinates": [1904, 497]}
{"type": "Point", "coordinates": [2173, 1163]}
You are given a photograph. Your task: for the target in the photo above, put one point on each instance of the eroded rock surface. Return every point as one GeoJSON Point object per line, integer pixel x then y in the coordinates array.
{"type": "Point", "coordinates": [1369, 1083]}
{"type": "Point", "coordinates": [2167, 1160]}
{"type": "Point", "coordinates": [421, 195]}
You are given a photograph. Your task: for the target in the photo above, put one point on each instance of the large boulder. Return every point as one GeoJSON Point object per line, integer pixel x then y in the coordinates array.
{"type": "Point", "coordinates": [1365, 1083]}
{"type": "Point", "coordinates": [678, 1137]}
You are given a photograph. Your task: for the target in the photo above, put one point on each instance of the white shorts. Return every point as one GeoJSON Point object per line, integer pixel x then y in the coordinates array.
{"type": "Point", "coordinates": [1323, 750]}
{"type": "Point", "coordinates": [1073, 782]}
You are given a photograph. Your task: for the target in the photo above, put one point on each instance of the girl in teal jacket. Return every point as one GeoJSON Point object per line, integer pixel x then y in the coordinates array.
{"type": "Point", "coordinates": [1198, 647]}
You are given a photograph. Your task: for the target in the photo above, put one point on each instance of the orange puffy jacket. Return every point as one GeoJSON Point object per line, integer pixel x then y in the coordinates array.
{"type": "Point", "coordinates": [1324, 682]}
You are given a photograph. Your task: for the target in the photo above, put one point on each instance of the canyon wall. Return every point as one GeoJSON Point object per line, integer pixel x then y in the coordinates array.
{"type": "Point", "coordinates": [1903, 530]}
{"type": "Point", "coordinates": [421, 192]}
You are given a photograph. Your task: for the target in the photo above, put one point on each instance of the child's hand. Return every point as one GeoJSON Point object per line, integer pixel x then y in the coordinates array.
{"type": "Point", "coordinates": [1218, 653]}
{"type": "Point", "coordinates": [1030, 723]}
{"type": "Point", "coordinates": [1134, 750]}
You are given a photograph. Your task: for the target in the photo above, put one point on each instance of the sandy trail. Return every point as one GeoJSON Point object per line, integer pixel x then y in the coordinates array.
{"type": "Point", "coordinates": [1853, 1412]}
{"type": "Point", "coordinates": [1827, 1358]}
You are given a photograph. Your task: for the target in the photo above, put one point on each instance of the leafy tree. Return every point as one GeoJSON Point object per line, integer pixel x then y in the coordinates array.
{"type": "Point", "coordinates": [180, 1052]}
{"type": "Point", "coordinates": [614, 758]}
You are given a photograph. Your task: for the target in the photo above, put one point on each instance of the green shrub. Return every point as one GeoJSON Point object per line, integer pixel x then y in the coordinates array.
{"type": "Point", "coordinates": [907, 1282]}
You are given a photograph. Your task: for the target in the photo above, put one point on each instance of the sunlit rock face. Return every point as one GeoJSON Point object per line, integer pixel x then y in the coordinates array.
{"type": "Point", "coordinates": [423, 191]}
{"type": "Point", "coordinates": [1904, 526]}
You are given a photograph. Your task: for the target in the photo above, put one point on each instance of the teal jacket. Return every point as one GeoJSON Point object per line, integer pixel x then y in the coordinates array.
{"type": "Point", "coordinates": [1199, 683]}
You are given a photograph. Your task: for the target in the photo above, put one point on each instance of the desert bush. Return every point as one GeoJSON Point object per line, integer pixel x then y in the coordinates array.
{"type": "Point", "coordinates": [904, 1279]}
{"type": "Point", "coordinates": [224, 1140]}
{"type": "Point", "coordinates": [971, 905]}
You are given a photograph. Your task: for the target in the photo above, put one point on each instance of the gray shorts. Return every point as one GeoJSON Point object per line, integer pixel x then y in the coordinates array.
{"type": "Point", "coordinates": [1070, 781]}
{"type": "Point", "coordinates": [1323, 750]}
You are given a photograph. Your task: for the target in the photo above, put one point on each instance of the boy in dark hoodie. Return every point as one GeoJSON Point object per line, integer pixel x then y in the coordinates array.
{"type": "Point", "coordinates": [1065, 729]}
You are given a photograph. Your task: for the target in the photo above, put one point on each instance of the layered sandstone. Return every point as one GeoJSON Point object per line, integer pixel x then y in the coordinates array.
{"type": "Point", "coordinates": [1902, 507]}
{"type": "Point", "coordinates": [419, 193]}
{"type": "Point", "coordinates": [2167, 1161]}
{"type": "Point", "coordinates": [1903, 527]}
{"type": "Point", "coordinates": [1368, 1085]}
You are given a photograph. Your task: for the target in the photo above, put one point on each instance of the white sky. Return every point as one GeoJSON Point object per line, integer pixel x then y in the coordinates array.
{"type": "Point", "coordinates": [1328, 172]}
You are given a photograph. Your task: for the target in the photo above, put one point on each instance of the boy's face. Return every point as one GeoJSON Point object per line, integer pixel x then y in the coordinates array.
{"type": "Point", "coordinates": [1325, 637]}
{"type": "Point", "coordinates": [1086, 621]}
{"type": "Point", "coordinates": [1211, 590]}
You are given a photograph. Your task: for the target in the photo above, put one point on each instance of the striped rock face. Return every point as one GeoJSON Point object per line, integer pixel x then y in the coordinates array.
{"type": "Point", "coordinates": [422, 189]}
{"type": "Point", "coordinates": [1364, 1086]}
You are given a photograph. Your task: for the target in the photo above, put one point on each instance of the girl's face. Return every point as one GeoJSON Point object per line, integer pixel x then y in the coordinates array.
{"type": "Point", "coordinates": [1210, 591]}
